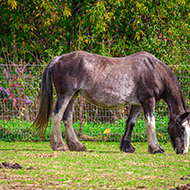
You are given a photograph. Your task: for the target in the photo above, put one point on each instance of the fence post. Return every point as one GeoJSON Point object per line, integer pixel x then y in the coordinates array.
{"type": "Point", "coordinates": [81, 103]}
{"type": "Point", "coordinates": [81, 109]}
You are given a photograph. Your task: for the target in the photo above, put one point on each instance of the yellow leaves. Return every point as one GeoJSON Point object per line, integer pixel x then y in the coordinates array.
{"type": "Point", "coordinates": [67, 12]}
{"type": "Point", "coordinates": [160, 135]}
{"type": "Point", "coordinates": [32, 28]}
{"type": "Point", "coordinates": [1, 59]}
{"type": "Point", "coordinates": [107, 131]}
{"type": "Point", "coordinates": [152, 16]}
{"type": "Point", "coordinates": [13, 4]}
{"type": "Point", "coordinates": [47, 22]}
{"type": "Point", "coordinates": [25, 27]}
{"type": "Point", "coordinates": [80, 38]}
{"type": "Point", "coordinates": [143, 33]}
{"type": "Point", "coordinates": [181, 2]}
{"type": "Point", "coordinates": [43, 4]}
{"type": "Point", "coordinates": [54, 16]}
{"type": "Point", "coordinates": [169, 31]}
{"type": "Point", "coordinates": [137, 36]}
{"type": "Point", "coordinates": [142, 8]}
{"type": "Point", "coordinates": [86, 40]}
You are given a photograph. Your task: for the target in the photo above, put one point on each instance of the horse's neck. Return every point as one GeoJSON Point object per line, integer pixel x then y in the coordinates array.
{"type": "Point", "coordinates": [174, 99]}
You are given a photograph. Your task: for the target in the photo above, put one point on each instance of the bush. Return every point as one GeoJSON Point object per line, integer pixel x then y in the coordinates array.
{"type": "Point", "coordinates": [19, 90]}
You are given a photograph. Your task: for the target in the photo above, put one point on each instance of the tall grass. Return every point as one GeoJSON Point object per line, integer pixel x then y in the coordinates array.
{"type": "Point", "coordinates": [20, 130]}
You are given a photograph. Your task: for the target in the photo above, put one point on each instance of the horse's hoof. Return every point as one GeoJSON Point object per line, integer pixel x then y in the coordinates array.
{"type": "Point", "coordinates": [157, 150]}
{"type": "Point", "coordinates": [59, 146]}
{"type": "Point", "coordinates": [127, 149]}
{"type": "Point", "coordinates": [62, 148]}
{"type": "Point", "coordinates": [76, 146]}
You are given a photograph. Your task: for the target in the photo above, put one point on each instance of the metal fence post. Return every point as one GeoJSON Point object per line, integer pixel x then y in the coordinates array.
{"type": "Point", "coordinates": [81, 110]}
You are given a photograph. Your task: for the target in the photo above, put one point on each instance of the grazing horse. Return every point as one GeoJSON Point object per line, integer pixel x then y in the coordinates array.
{"type": "Point", "coordinates": [139, 80]}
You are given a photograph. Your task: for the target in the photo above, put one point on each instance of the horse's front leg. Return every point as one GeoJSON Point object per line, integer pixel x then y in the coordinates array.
{"type": "Point", "coordinates": [71, 138]}
{"type": "Point", "coordinates": [126, 140]}
{"type": "Point", "coordinates": [153, 145]}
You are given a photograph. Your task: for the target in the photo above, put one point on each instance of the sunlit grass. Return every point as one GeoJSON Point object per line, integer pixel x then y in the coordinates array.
{"type": "Point", "coordinates": [103, 166]}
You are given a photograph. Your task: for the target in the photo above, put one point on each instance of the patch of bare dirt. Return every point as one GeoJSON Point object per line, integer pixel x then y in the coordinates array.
{"type": "Point", "coordinates": [41, 155]}
{"type": "Point", "coordinates": [19, 186]}
{"type": "Point", "coordinates": [12, 184]}
{"type": "Point", "coordinates": [182, 187]}
{"type": "Point", "coordinates": [7, 165]}
{"type": "Point", "coordinates": [185, 177]}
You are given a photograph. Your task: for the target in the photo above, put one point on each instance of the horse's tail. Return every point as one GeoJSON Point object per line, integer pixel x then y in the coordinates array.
{"type": "Point", "coordinates": [46, 100]}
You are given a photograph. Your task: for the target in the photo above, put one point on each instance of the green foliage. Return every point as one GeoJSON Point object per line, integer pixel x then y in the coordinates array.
{"type": "Point", "coordinates": [20, 130]}
{"type": "Point", "coordinates": [34, 31]}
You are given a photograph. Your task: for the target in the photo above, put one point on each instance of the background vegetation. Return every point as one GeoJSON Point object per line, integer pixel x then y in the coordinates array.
{"type": "Point", "coordinates": [31, 32]}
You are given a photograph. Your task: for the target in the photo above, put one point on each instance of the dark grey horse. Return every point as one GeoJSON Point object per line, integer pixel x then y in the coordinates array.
{"type": "Point", "coordinates": [139, 80]}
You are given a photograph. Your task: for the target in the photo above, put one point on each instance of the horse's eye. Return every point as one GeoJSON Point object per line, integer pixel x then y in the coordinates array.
{"type": "Point", "coordinates": [182, 128]}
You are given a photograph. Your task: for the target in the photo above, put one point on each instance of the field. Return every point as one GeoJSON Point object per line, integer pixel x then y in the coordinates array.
{"type": "Point", "coordinates": [103, 166]}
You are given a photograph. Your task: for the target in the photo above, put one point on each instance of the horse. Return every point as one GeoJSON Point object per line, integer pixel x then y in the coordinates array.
{"type": "Point", "coordinates": [139, 80]}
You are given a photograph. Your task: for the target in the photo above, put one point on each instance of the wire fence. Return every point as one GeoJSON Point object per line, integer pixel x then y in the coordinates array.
{"type": "Point", "coordinates": [19, 101]}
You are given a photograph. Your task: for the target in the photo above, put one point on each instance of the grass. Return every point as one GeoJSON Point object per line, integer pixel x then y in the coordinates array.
{"type": "Point", "coordinates": [103, 166]}
{"type": "Point", "coordinates": [20, 130]}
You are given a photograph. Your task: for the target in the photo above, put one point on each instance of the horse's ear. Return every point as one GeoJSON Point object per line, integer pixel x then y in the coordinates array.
{"type": "Point", "coordinates": [180, 118]}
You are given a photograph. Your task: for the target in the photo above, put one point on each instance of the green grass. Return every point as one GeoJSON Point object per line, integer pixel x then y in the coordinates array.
{"type": "Point", "coordinates": [20, 130]}
{"type": "Point", "coordinates": [103, 166]}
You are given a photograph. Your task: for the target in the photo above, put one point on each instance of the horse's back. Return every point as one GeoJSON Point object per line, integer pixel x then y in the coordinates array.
{"type": "Point", "coordinates": [110, 81]}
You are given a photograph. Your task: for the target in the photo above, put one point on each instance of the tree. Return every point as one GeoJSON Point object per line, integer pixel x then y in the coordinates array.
{"type": "Point", "coordinates": [34, 31]}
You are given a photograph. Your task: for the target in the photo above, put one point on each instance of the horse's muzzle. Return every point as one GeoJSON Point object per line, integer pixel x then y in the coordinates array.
{"type": "Point", "coordinates": [180, 151]}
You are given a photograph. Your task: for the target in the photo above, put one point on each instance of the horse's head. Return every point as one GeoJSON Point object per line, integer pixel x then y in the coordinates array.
{"type": "Point", "coordinates": [179, 131]}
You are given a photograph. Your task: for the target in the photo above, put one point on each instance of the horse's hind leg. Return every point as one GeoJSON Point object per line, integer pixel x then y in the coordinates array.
{"type": "Point", "coordinates": [71, 138]}
{"type": "Point", "coordinates": [56, 141]}
{"type": "Point", "coordinates": [126, 140]}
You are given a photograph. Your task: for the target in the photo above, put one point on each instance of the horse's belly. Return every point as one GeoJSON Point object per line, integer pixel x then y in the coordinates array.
{"type": "Point", "coordinates": [110, 100]}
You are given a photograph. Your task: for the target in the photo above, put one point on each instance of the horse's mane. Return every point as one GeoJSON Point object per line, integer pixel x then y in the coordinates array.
{"type": "Point", "coordinates": [174, 78]}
